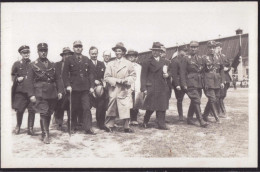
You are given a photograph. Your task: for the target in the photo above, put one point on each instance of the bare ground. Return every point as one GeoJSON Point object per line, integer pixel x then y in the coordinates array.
{"type": "Point", "coordinates": [228, 139]}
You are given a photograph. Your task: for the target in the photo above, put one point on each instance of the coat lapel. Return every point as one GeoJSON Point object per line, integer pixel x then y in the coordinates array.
{"type": "Point", "coordinates": [156, 65]}
{"type": "Point", "coordinates": [121, 65]}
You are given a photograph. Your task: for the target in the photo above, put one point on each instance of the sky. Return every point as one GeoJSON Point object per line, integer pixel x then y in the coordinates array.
{"type": "Point", "coordinates": [137, 25]}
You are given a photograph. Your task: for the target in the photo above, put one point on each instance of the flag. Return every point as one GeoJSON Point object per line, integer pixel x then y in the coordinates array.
{"type": "Point", "coordinates": [175, 54]}
{"type": "Point", "coordinates": [236, 60]}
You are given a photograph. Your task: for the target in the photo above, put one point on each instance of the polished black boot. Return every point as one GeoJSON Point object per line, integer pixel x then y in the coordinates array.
{"type": "Point", "coordinates": [42, 128]}
{"type": "Point", "coordinates": [45, 122]}
{"type": "Point", "coordinates": [19, 118]}
{"type": "Point", "coordinates": [214, 111]}
{"type": "Point", "coordinates": [180, 111]}
{"type": "Point", "coordinates": [31, 117]}
{"type": "Point", "coordinates": [206, 112]}
{"type": "Point", "coordinates": [190, 115]}
{"type": "Point", "coordinates": [199, 116]}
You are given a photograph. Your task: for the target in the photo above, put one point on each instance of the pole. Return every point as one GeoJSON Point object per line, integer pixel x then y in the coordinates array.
{"type": "Point", "coordinates": [70, 113]}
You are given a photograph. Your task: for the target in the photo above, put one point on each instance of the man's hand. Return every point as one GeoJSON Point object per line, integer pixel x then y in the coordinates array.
{"type": "Point", "coordinates": [20, 79]}
{"type": "Point", "coordinates": [91, 90]}
{"type": "Point", "coordinates": [225, 69]}
{"type": "Point", "coordinates": [178, 88]}
{"type": "Point", "coordinates": [222, 86]}
{"type": "Point", "coordinates": [59, 96]}
{"type": "Point", "coordinates": [165, 75]}
{"type": "Point", "coordinates": [33, 99]}
{"type": "Point", "coordinates": [145, 92]}
{"type": "Point", "coordinates": [69, 88]}
{"type": "Point", "coordinates": [97, 82]}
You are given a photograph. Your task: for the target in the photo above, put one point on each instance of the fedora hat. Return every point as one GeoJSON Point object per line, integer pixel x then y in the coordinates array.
{"type": "Point", "coordinates": [119, 45]}
{"type": "Point", "coordinates": [157, 46]}
{"type": "Point", "coordinates": [66, 50]}
{"type": "Point", "coordinates": [132, 52]}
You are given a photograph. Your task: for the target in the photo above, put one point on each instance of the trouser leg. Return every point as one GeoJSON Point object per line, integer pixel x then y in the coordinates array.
{"type": "Point", "coordinates": [45, 128]}
{"type": "Point", "coordinates": [190, 114]}
{"type": "Point", "coordinates": [160, 115]}
{"type": "Point", "coordinates": [212, 98]}
{"type": "Point", "coordinates": [75, 106]}
{"type": "Point", "coordinates": [133, 114]}
{"type": "Point", "coordinates": [147, 116]}
{"type": "Point", "coordinates": [126, 123]}
{"type": "Point", "coordinates": [110, 121]}
{"type": "Point", "coordinates": [87, 116]}
{"type": "Point", "coordinates": [199, 115]}
{"type": "Point", "coordinates": [19, 118]}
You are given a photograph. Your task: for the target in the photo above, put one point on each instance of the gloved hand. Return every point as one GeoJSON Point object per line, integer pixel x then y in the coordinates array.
{"type": "Point", "coordinates": [69, 88]}
{"type": "Point", "coordinates": [33, 99]}
{"type": "Point", "coordinates": [20, 79]}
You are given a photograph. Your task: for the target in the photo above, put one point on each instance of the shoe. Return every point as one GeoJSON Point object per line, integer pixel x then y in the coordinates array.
{"type": "Point", "coordinates": [181, 118]}
{"type": "Point", "coordinates": [203, 124]}
{"type": "Point", "coordinates": [91, 132]}
{"type": "Point", "coordinates": [134, 123]}
{"type": "Point", "coordinates": [59, 127]}
{"type": "Point", "coordinates": [108, 129]}
{"type": "Point", "coordinates": [222, 115]}
{"type": "Point", "coordinates": [128, 130]}
{"type": "Point", "coordinates": [164, 128]}
{"type": "Point", "coordinates": [144, 125]}
{"type": "Point", "coordinates": [205, 118]}
{"type": "Point", "coordinates": [190, 122]}
{"type": "Point", "coordinates": [31, 132]}
{"type": "Point", "coordinates": [17, 130]}
{"type": "Point", "coordinates": [73, 131]}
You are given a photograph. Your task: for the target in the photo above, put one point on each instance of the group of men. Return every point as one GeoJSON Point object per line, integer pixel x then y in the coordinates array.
{"type": "Point", "coordinates": [117, 87]}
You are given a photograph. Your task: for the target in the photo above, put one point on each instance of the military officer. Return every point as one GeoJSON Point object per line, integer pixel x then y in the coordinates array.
{"type": "Point", "coordinates": [62, 104]}
{"type": "Point", "coordinates": [175, 67]}
{"type": "Point", "coordinates": [20, 100]}
{"type": "Point", "coordinates": [214, 79]}
{"type": "Point", "coordinates": [154, 85]}
{"type": "Point", "coordinates": [45, 87]}
{"type": "Point", "coordinates": [98, 102]}
{"type": "Point", "coordinates": [79, 80]}
{"type": "Point", "coordinates": [191, 81]}
{"type": "Point", "coordinates": [227, 67]}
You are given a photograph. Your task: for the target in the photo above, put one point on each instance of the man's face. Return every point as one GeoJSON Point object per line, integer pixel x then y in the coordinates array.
{"type": "Point", "coordinates": [218, 49]}
{"type": "Point", "coordinates": [78, 49]}
{"type": "Point", "coordinates": [211, 50]}
{"type": "Point", "coordinates": [156, 53]}
{"type": "Point", "coordinates": [193, 50]}
{"type": "Point", "coordinates": [25, 54]}
{"type": "Point", "coordinates": [106, 56]}
{"type": "Point", "coordinates": [119, 53]}
{"type": "Point", "coordinates": [93, 54]}
{"type": "Point", "coordinates": [132, 58]}
{"type": "Point", "coordinates": [43, 53]}
{"type": "Point", "coordinates": [163, 54]}
{"type": "Point", "coordinates": [65, 56]}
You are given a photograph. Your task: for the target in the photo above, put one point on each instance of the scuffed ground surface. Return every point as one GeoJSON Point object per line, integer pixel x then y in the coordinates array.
{"type": "Point", "coordinates": [228, 139]}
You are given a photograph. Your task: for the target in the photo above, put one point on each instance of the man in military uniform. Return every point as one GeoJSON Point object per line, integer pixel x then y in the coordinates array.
{"type": "Point", "coordinates": [214, 79]}
{"type": "Point", "coordinates": [20, 100]}
{"type": "Point", "coordinates": [154, 85]}
{"type": "Point", "coordinates": [191, 81]}
{"type": "Point", "coordinates": [62, 104]}
{"type": "Point", "coordinates": [175, 67]}
{"type": "Point", "coordinates": [79, 80]}
{"type": "Point", "coordinates": [98, 102]}
{"type": "Point", "coordinates": [227, 67]}
{"type": "Point", "coordinates": [45, 86]}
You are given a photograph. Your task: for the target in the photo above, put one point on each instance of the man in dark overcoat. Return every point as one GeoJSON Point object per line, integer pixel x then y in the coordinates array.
{"type": "Point", "coordinates": [45, 87]}
{"type": "Point", "coordinates": [63, 104]}
{"type": "Point", "coordinates": [79, 79]}
{"type": "Point", "coordinates": [154, 76]}
{"type": "Point", "coordinates": [20, 100]}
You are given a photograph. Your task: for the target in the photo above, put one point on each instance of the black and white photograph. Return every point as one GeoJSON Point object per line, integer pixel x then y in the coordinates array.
{"type": "Point", "coordinates": [129, 84]}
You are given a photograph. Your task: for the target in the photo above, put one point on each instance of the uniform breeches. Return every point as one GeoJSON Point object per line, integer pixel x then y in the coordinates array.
{"type": "Point", "coordinates": [81, 100]}
{"type": "Point", "coordinates": [179, 94]}
{"type": "Point", "coordinates": [194, 94]}
{"type": "Point", "coordinates": [21, 102]}
{"type": "Point", "coordinates": [45, 107]}
{"type": "Point", "coordinates": [212, 95]}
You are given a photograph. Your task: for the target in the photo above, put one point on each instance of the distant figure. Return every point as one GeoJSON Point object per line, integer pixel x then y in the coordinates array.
{"type": "Point", "coordinates": [234, 81]}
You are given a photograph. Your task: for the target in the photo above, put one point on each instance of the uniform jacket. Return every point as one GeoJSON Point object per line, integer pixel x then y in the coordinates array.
{"type": "Point", "coordinates": [227, 63]}
{"type": "Point", "coordinates": [20, 69]}
{"type": "Point", "coordinates": [152, 80]}
{"type": "Point", "coordinates": [213, 71]}
{"type": "Point", "coordinates": [78, 74]}
{"type": "Point", "coordinates": [191, 71]}
{"type": "Point", "coordinates": [44, 82]}
{"type": "Point", "coordinates": [175, 67]}
{"type": "Point", "coordinates": [120, 95]}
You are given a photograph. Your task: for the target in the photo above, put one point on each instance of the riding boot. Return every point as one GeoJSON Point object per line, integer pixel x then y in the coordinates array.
{"type": "Point", "coordinates": [199, 116]}
{"type": "Point", "coordinates": [219, 112]}
{"type": "Point", "coordinates": [42, 128]}
{"type": "Point", "coordinates": [190, 115]}
{"type": "Point", "coordinates": [31, 117]}
{"type": "Point", "coordinates": [180, 110]}
{"type": "Point", "coordinates": [206, 112]}
{"type": "Point", "coordinates": [19, 117]}
{"type": "Point", "coordinates": [214, 111]}
{"type": "Point", "coordinates": [222, 106]}
{"type": "Point", "coordinates": [46, 129]}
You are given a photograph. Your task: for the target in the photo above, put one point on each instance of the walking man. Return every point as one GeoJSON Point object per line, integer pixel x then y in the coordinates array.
{"type": "Point", "coordinates": [20, 100]}
{"type": "Point", "coordinates": [45, 87]}
{"type": "Point", "coordinates": [79, 81]}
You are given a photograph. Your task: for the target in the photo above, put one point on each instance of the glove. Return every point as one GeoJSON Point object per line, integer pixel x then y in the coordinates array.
{"type": "Point", "coordinates": [59, 96]}
{"type": "Point", "coordinates": [69, 88]}
{"type": "Point", "coordinates": [178, 88]}
{"type": "Point", "coordinates": [20, 79]}
{"type": "Point", "coordinates": [222, 86]}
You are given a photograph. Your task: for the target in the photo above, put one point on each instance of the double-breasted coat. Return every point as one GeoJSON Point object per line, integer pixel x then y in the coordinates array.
{"type": "Point", "coordinates": [120, 95]}
{"type": "Point", "coordinates": [157, 98]}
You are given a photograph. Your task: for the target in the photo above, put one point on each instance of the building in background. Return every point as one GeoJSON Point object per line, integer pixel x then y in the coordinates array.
{"type": "Point", "coordinates": [230, 47]}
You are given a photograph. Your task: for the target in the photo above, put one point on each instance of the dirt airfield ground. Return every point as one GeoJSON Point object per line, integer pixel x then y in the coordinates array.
{"type": "Point", "coordinates": [228, 139]}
